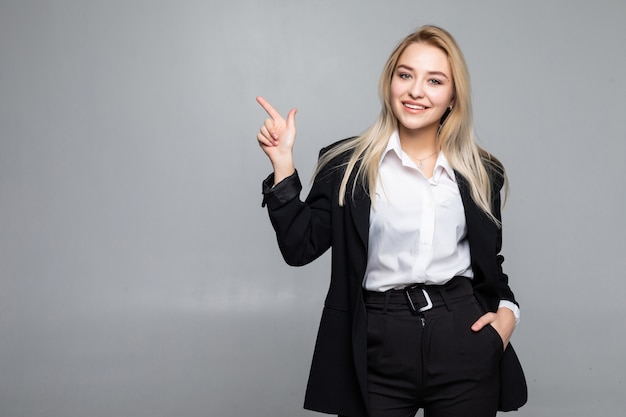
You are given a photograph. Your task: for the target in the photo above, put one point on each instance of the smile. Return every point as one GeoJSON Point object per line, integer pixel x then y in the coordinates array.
{"type": "Point", "coordinates": [413, 106]}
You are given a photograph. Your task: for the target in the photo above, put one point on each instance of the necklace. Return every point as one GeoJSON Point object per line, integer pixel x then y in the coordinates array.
{"type": "Point", "coordinates": [420, 162]}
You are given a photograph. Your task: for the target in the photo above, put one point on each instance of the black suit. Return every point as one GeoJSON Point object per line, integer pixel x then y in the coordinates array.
{"type": "Point", "coordinates": [305, 230]}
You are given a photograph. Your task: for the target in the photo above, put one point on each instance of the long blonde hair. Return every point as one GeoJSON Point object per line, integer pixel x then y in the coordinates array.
{"type": "Point", "coordinates": [456, 135]}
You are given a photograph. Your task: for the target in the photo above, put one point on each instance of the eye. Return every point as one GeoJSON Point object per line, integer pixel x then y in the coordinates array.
{"type": "Point", "coordinates": [435, 81]}
{"type": "Point", "coordinates": [404, 75]}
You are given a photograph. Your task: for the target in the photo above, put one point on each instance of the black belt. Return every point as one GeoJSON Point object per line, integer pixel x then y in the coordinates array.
{"type": "Point", "coordinates": [422, 297]}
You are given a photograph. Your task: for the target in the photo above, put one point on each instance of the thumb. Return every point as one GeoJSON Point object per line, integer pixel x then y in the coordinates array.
{"type": "Point", "coordinates": [291, 118]}
{"type": "Point", "coordinates": [484, 320]}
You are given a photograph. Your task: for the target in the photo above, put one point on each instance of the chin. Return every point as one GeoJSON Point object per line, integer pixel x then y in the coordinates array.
{"type": "Point", "coordinates": [415, 127]}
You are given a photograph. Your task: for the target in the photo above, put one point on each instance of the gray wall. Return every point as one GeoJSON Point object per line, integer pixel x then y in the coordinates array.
{"type": "Point", "coordinates": [138, 273]}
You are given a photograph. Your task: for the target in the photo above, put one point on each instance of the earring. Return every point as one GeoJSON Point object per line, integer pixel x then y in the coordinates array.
{"type": "Point", "coordinates": [450, 107]}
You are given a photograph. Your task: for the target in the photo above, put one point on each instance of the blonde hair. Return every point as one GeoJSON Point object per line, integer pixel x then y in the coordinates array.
{"type": "Point", "coordinates": [456, 134]}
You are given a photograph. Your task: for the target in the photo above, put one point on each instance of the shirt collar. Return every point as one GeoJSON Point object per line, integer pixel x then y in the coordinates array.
{"type": "Point", "coordinates": [442, 164]}
{"type": "Point", "coordinates": [393, 144]}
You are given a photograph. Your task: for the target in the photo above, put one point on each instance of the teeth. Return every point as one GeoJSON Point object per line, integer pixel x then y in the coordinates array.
{"type": "Point", "coordinates": [411, 106]}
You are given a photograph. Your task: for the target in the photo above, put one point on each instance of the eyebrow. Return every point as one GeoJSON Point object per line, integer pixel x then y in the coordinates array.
{"type": "Point", "coordinates": [406, 67]}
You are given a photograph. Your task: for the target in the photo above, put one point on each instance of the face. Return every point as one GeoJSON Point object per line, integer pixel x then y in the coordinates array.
{"type": "Point", "coordinates": [421, 89]}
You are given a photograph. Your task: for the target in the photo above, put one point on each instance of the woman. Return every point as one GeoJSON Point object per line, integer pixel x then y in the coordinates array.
{"type": "Point", "coordinates": [419, 313]}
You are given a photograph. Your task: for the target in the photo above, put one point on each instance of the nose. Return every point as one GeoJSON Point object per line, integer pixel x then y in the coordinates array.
{"type": "Point", "coordinates": [416, 90]}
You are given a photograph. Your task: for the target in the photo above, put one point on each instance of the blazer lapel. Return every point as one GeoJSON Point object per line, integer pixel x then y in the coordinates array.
{"type": "Point", "coordinates": [360, 208]}
{"type": "Point", "coordinates": [468, 204]}
{"type": "Point", "coordinates": [479, 225]}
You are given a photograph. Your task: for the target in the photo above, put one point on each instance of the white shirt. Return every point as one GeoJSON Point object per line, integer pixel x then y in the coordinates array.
{"type": "Point", "coordinates": [417, 226]}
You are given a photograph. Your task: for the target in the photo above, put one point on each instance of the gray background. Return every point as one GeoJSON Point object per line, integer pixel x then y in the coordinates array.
{"type": "Point", "coordinates": [139, 275]}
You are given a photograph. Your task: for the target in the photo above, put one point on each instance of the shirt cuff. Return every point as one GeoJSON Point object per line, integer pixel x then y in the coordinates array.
{"type": "Point", "coordinates": [513, 307]}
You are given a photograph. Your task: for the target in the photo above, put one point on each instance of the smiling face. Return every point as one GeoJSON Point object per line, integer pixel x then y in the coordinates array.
{"type": "Point", "coordinates": [421, 90]}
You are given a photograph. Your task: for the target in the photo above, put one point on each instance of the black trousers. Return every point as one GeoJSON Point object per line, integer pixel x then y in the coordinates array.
{"type": "Point", "coordinates": [431, 359]}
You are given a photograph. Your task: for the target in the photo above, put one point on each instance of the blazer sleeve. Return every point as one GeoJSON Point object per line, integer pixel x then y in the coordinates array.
{"type": "Point", "coordinates": [497, 177]}
{"type": "Point", "coordinates": [303, 228]}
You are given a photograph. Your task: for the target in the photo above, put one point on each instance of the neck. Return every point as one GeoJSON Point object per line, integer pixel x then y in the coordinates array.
{"type": "Point", "coordinates": [419, 143]}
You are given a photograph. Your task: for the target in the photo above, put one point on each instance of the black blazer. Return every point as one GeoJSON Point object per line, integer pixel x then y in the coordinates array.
{"type": "Point", "coordinates": [305, 230]}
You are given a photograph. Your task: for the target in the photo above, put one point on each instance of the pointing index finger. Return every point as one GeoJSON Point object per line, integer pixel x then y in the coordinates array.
{"type": "Point", "coordinates": [268, 108]}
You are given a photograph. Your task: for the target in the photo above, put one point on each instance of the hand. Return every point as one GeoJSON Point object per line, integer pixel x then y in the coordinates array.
{"type": "Point", "coordinates": [503, 321]}
{"type": "Point", "coordinates": [276, 138]}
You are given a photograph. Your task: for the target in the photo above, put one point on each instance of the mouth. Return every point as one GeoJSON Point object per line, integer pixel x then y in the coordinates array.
{"type": "Point", "coordinates": [413, 106]}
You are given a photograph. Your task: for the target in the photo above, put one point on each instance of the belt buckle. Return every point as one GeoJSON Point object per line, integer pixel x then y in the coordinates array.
{"type": "Point", "coordinates": [417, 310]}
